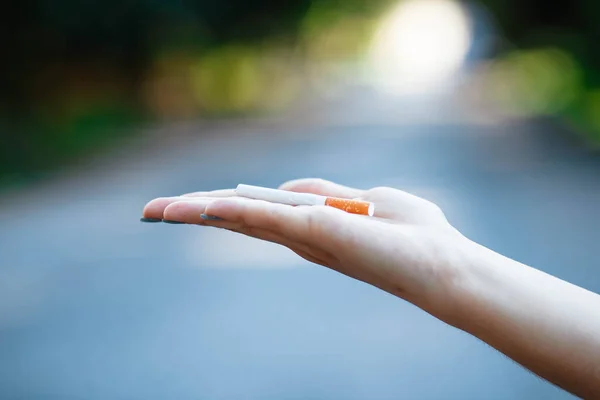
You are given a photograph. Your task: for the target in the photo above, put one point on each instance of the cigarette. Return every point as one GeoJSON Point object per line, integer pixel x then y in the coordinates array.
{"type": "Point", "coordinates": [305, 199]}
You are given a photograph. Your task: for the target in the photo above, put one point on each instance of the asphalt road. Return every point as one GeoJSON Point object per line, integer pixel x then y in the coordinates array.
{"type": "Point", "coordinates": [96, 305]}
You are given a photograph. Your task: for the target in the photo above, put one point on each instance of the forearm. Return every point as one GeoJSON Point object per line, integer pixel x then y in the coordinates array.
{"type": "Point", "coordinates": [549, 326]}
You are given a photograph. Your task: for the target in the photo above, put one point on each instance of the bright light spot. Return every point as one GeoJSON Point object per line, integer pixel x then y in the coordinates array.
{"type": "Point", "coordinates": [419, 45]}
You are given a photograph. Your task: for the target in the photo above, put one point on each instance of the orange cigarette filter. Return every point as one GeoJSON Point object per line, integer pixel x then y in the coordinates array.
{"type": "Point", "coordinates": [351, 206]}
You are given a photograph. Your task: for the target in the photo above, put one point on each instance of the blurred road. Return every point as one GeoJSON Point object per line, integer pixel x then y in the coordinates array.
{"type": "Point", "coordinates": [96, 305]}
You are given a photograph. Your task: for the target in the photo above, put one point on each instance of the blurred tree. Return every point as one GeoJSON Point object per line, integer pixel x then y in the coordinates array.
{"type": "Point", "coordinates": [71, 69]}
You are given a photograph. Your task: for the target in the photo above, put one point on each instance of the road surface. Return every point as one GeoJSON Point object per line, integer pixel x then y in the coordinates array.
{"type": "Point", "coordinates": [96, 305]}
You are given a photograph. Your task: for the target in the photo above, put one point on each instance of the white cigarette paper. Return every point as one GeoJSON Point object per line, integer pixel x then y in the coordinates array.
{"type": "Point", "coordinates": [280, 196]}
{"type": "Point", "coordinates": [304, 199]}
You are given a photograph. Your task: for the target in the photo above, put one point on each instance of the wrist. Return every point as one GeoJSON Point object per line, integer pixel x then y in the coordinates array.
{"type": "Point", "coordinates": [466, 266]}
{"type": "Point", "coordinates": [481, 279]}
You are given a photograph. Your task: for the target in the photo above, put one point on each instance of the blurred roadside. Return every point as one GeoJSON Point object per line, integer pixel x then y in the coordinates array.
{"type": "Point", "coordinates": [78, 76]}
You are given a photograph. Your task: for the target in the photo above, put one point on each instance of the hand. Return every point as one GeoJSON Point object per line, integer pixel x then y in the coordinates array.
{"type": "Point", "coordinates": [408, 248]}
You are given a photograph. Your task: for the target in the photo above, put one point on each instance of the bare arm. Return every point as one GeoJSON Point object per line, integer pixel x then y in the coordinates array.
{"type": "Point", "coordinates": [410, 250]}
{"type": "Point", "coordinates": [548, 325]}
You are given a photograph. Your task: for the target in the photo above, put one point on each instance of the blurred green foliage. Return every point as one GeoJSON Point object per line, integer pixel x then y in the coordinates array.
{"type": "Point", "coordinates": [75, 74]}
{"type": "Point", "coordinates": [537, 27]}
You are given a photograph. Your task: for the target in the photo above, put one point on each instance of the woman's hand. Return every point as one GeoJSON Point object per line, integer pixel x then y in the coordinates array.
{"type": "Point", "coordinates": [408, 248]}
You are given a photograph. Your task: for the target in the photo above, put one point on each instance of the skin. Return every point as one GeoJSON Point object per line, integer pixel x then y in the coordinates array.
{"type": "Point", "coordinates": [410, 250]}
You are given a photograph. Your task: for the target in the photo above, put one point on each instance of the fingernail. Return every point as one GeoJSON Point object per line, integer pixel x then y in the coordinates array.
{"type": "Point", "coordinates": [210, 217]}
{"type": "Point", "coordinates": [168, 221]}
{"type": "Point", "coordinates": [150, 219]}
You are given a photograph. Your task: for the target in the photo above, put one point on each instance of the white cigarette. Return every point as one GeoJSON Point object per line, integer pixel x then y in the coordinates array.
{"type": "Point", "coordinates": [304, 199]}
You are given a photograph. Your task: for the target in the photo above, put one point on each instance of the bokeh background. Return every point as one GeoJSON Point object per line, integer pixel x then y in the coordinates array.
{"type": "Point", "coordinates": [489, 108]}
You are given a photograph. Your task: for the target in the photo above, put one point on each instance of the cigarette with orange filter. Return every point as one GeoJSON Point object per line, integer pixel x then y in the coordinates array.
{"type": "Point", "coordinates": [305, 199]}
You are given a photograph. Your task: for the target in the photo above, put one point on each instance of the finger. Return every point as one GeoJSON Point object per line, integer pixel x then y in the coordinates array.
{"type": "Point", "coordinates": [321, 187]}
{"type": "Point", "coordinates": [188, 211]}
{"type": "Point", "coordinates": [213, 193]}
{"type": "Point", "coordinates": [317, 226]}
{"type": "Point", "coordinates": [156, 207]}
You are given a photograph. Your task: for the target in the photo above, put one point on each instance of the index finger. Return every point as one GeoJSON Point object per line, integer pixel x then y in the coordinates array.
{"type": "Point", "coordinates": [320, 226]}
{"type": "Point", "coordinates": [156, 207]}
